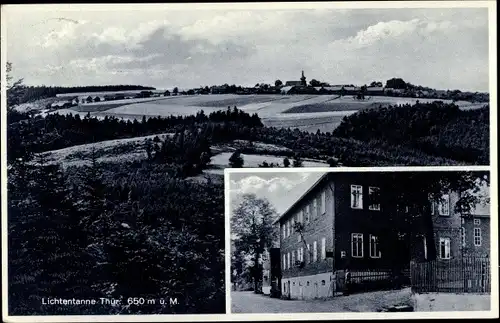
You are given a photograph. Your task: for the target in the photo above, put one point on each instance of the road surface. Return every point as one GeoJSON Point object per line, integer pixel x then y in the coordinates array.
{"type": "Point", "coordinates": [248, 302]}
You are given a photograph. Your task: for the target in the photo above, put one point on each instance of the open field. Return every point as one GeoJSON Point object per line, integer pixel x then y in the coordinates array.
{"type": "Point", "coordinates": [221, 161]}
{"type": "Point", "coordinates": [109, 151]}
{"type": "Point", "coordinates": [305, 112]}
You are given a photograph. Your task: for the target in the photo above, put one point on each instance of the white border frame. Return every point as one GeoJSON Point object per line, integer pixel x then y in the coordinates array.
{"type": "Point", "coordinates": [490, 5]}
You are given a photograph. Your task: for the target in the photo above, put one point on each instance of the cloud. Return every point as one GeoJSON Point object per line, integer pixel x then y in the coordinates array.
{"type": "Point", "coordinates": [442, 48]}
{"type": "Point", "coordinates": [280, 189]}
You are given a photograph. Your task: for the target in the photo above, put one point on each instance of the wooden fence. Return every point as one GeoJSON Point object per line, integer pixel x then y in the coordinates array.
{"type": "Point", "coordinates": [458, 275]}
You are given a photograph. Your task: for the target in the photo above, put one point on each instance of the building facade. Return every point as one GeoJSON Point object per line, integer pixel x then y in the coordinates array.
{"type": "Point", "coordinates": [457, 235]}
{"type": "Point", "coordinates": [345, 223]}
{"type": "Point", "coordinates": [340, 228]}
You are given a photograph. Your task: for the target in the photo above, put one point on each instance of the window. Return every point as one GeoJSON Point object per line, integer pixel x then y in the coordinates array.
{"type": "Point", "coordinates": [444, 248]}
{"type": "Point", "coordinates": [284, 230]}
{"type": "Point", "coordinates": [323, 202]}
{"type": "Point", "coordinates": [374, 247]}
{"type": "Point", "coordinates": [315, 208]}
{"type": "Point", "coordinates": [323, 248]}
{"type": "Point", "coordinates": [308, 253]}
{"type": "Point", "coordinates": [288, 228]}
{"type": "Point", "coordinates": [284, 261]}
{"type": "Point", "coordinates": [477, 222]}
{"type": "Point", "coordinates": [288, 260]}
{"type": "Point", "coordinates": [301, 254]}
{"type": "Point", "coordinates": [356, 196]}
{"type": "Point", "coordinates": [425, 248]}
{"type": "Point", "coordinates": [357, 245]}
{"type": "Point", "coordinates": [301, 216]}
{"type": "Point", "coordinates": [293, 224]}
{"type": "Point", "coordinates": [477, 237]}
{"type": "Point", "coordinates": [374, 196]}
{"type": "Point", "coordinates": [462, 233]}
{"type": "Point", "coordinates": [308, 209]}
{"type": "Point", "coordinates": [315, 251]}
{"type": "Point", "coordinates": [432, 202]}
{"type": "Point", "coordinates": [293, 257]}
{"type": "Point", "coordinates": [299, 237]}
{"type": "Point", "coordinates": [444, 205]}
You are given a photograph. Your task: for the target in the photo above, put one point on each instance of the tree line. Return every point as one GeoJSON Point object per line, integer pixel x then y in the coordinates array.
{"type": "Point", "coordinates": [436, 128]}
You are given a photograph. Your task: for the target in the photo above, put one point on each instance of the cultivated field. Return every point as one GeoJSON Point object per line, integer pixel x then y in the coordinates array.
{"type": "Point", "coordinates": [306, 112]}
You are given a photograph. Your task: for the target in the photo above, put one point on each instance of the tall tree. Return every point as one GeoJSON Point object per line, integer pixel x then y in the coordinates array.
{"type": "Point", "coordinates": [278, 83]}
{"type": "Point", "coordinates": [253, 230]}
{"type": "Point", "coordinates": [236, 161]}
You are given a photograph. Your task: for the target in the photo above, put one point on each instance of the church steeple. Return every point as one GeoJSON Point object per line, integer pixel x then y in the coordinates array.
{"type": "Point", "coordinates": [303, 79]}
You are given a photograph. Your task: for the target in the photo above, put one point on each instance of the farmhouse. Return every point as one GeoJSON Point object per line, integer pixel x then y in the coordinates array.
{"type": "Point", "coordinates": [375, 90]}
{"type": "Point", "coordinates": [61, 104]}
{"type": "Point", "coordinates": [219, 89]}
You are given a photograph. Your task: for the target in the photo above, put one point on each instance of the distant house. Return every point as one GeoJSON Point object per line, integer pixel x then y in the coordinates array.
{"type": "Point", "coordinates": [293, 83]}
{"type": "Point", "coordinates": [351, 90]}
{"type": "Point", "coordinates": [328, 89]}
{"type": "Point", "coordinates": [61, 105]}
{"type": "Point", "coordinates": [393, 92]}
{"type": "Point", "coordinates": [375, 90]}
{"type": "Point", "coordinates": [222, 89]}
{"type": "Point", "coordinates": [286, 89]}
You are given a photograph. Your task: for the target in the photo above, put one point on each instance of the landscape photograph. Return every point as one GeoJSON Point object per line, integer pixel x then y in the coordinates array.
{"type": "Point", "coordinates": [118, 122]}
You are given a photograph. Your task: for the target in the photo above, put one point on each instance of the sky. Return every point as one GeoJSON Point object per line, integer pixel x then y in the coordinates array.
{"type": "Point", "coordinates": [281, 189]}
{"type": "Point", "coordinates": [187, 47]}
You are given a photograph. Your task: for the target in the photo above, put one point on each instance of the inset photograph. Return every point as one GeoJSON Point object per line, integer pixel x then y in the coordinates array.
{"type": "Point", "coordinates": [371, 241]}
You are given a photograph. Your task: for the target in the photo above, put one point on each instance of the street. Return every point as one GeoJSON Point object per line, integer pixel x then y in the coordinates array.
{"type": "Point", "coordinates": [248, 302]}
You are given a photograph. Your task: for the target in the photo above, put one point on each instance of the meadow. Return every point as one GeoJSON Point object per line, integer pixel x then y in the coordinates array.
{"type": "Point", "coordinates": [305, 112]}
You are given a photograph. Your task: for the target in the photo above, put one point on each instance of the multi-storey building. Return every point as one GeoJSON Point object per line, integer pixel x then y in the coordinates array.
{"type": "Point", "coordinates": [344, 222]}
{"type": "Point", "coordinates": [456, 234]}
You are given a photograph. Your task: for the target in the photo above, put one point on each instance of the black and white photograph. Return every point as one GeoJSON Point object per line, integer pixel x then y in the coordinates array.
{"type": "Point", "coordinates": [400, 241]}
{"type": "Point", "coordinates": [119, 123]}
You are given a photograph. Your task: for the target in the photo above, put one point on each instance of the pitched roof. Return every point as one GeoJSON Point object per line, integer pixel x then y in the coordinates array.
{"type": "Point", "coordinates": [286, 88]}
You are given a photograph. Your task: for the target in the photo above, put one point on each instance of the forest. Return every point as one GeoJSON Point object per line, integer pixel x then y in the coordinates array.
{"type": "Point", "coordinates": [436, 129]}
{"type": "Point", "coordinates": [144, 220]}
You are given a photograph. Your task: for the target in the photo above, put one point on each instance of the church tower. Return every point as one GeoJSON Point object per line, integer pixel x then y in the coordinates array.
{"type": "Point", "coordinates": [303, 80]}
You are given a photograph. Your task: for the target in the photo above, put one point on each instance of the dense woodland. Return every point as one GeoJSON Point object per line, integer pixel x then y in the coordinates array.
{"type": "Point", "coordinates": [436, 129]}
{"type": "Point", "coordinates": [116, 231]}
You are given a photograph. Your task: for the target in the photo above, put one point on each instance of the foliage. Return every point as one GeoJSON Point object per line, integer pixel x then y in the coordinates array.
{"type": "Point", "coordinates": [253, 230]}
{"type": "Point", "coordinates": [434, 128]}
{"type": "Point", "coordinates": [115, 233]}
{"type": "Point", "coordinates": [236, 160]}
